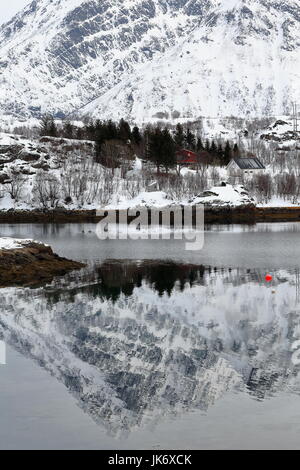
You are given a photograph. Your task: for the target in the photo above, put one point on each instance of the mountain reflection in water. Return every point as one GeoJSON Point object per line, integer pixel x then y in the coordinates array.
{"type": "Point", "coordinates": [134, 341]}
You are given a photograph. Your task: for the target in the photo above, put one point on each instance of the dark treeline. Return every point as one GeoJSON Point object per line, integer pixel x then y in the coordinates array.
{"type": "Point", "coordinates": [155, 144]}
{"type": "Point", "coordinates": [97, 131]}
{"type": "Point", "coordinates": [217, 153]}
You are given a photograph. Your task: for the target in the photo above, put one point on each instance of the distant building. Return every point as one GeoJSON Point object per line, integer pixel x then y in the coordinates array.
{"type": "Point", "coordinates": [191, 159]}
{"type": "Point", "coordinates": [186, 157]}
{"type": "Point", "coordinates": [152, 187]}
{"type": "Point", "coordinates": [244, 166]}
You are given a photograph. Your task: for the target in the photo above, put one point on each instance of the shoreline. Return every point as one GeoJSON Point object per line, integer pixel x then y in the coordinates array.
{"type": "Point", "coordinates": [216, 215]}
{"type": "Point", "coordinates": [32, 264]}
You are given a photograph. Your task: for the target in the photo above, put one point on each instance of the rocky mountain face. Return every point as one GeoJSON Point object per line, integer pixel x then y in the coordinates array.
{"type": "Point", "coordinates": [151, 58]}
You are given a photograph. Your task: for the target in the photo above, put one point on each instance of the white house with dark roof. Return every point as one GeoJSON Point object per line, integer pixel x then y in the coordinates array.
{"type": "Point", "coordinates": [245, 166]}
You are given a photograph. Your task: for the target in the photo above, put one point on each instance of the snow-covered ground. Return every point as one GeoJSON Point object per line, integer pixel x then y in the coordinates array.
{"type": "Point", "coordinates": [279, 202]}
{"type": "Point", "coordinates": [144, 199]}
{"type": "Point", "coordinates": [283, 132]}
{"type": "Point", "coordinates": [13, 243]}
{"type": "Point", "coordinates": [228, 195]}
{"type": "Point", "coordinates": [66, 169]}
{"type": "Point", "coordinates": [217, 196]}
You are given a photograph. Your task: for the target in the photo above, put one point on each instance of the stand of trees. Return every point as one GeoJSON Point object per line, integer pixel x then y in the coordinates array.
{"type": "Point", "coordinates": [158, 145]}
{"type": "Point", "coordinates": [98, 131]}
{"type": "Point", "coordinates": [220, 153]}
{"type": "Point", "coordinates": [161, 148]}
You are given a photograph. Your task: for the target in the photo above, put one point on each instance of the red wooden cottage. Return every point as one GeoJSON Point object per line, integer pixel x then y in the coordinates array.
{"type": "Point", "coordinates": [186, 157]}
{"type": "Point", "coordinates": [190, 158]}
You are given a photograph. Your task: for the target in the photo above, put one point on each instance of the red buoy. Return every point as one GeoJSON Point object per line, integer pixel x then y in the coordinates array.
{"type": "Point", "coordinates": [269, 278]}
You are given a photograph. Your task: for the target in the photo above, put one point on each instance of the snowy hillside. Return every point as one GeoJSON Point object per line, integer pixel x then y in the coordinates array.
{"type": "Point", "coordinates": [149, 59]}
{"type": "Point", "coordinates": [239, 61]}
{"type": "Point", "coordinates": [58, 173]}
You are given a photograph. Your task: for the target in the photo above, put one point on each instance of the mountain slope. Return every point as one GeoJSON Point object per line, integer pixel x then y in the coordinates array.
{"type": "Point", "coordinates": [146, 58]}
{"type": "Point", "coordinates": [61, 54]}
{"type": "Point", "coordinates": [236, 62]}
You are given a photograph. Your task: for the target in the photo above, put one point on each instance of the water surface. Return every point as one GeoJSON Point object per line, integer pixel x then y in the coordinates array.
{"type": "Point", "coordinates": [151, 346]}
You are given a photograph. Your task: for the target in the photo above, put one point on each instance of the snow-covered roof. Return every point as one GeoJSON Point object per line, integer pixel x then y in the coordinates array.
{"type": "Point", "coordinates": [252, 163]}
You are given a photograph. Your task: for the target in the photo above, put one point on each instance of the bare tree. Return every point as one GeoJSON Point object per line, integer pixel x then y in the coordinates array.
{"type": "Point", "coordinates": [47, 189]}
{"type": "Point", "coordinates": [15, 185]}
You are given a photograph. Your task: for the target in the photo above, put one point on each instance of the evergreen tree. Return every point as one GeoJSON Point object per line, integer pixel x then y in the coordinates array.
{"type": "Point", "coordinates": [190, 140]}
{"type": "Point", "coordinates": [155, 147]}
{"type": "Point", "coordinates": [53, 129]}
{"type": "Point", "coordinates": [220, 153]}
{"type": "Point", "coordinates": [199, 144]}
{"type": "Point", "coordinates": [68, 130]}
{"type": "Point", "coordinates": [111, 130]}
{"type": "Point", "coordinates": [207, 145]}
{"type": "Point", "coordinates": [136, 136]}
{"type": "Point", "coordinates": [179, 137]}
{"type": "Point", "coordinates": [89, 131]}
{"type": "Point", "coordinates": [44, 126]}
{"type": "Point", "coordinates": [213, 148]}
{"type": "Point", "coordinates": [48, 126]}
{"type": "Point", "coordinates": [227, 153]}
{"type": "Point", "coordinates": [147, 137]}
{"type": "Point", "coordinates": [236, 150]}
{"type": "Point", "coordinates": [79, 133]}
{"type": "Point", "coordinates": [168, 150]}
{"type": "Point", "coordinates": [100, 136]}
{"type": "Point", "coordinates": [162, 148]}
{"type": "Point", "coordinates": [124, 131]}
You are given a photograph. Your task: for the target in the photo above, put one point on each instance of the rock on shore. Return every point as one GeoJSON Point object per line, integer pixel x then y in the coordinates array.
{"type": "Point", "coordinates": [28, 263]}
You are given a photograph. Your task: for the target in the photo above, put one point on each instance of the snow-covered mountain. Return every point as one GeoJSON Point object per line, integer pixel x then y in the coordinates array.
{"type": "Point", "coordinates": [144, 59]}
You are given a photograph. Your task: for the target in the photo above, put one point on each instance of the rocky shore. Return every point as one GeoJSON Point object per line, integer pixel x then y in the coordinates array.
{"type": "Point", "coordinates": [51, 216]}
{"type": "Point", "coordinates": [277, 214]}
{"type": "Point", "coordinates": [247, 214]}
{"type": "Point", "coordinates": [28, 263]}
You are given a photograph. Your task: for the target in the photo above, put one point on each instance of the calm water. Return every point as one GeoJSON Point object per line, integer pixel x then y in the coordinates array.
{"type": "Point", "coordinates": [151, 346]}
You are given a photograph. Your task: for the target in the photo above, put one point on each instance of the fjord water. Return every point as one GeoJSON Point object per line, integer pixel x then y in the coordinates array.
{"type": "Point", "coordinates": [151, 346]}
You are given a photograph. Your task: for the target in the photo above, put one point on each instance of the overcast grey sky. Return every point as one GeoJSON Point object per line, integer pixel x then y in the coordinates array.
{"type": "Point", "coordinates": [9, 7]}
